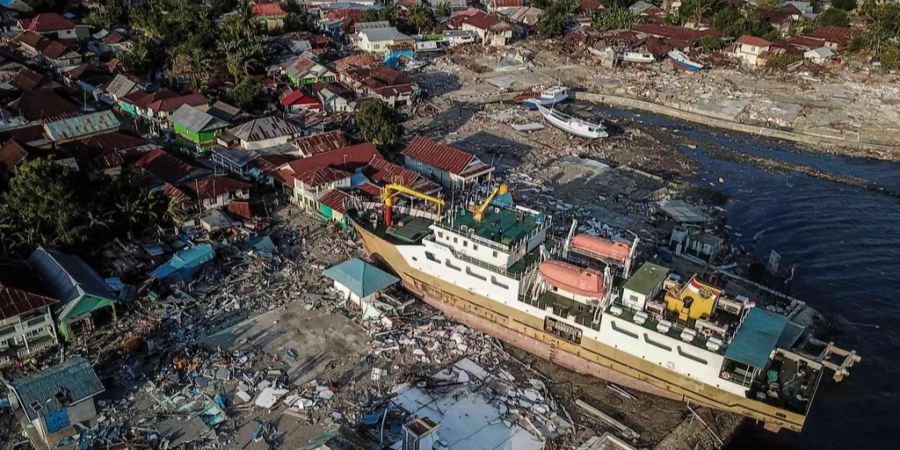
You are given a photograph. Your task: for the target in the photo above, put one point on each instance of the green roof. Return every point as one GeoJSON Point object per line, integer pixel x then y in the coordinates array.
{"type": "Point", "coordinates": [360, 277]}
{"type": "Point", "coordinates": [647, 278]}
{"type": "Point", "coordinates": [502, 225]}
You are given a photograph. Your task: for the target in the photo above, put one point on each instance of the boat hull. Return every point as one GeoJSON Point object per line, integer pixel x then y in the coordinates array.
{"type": "Point", "coordinates": [589, 357]}
{"type": "Point", "coordinates": [532, 103]}
{"type": "Point", "coordinates": [562, 125]}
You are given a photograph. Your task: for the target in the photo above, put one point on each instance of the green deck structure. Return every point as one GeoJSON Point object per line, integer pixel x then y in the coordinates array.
{"type": "Point", "coordinates": [504, 226]}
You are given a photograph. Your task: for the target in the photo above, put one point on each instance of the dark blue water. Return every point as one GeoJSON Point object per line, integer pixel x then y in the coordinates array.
{"type": "Point", "coordinates": [845, 242]}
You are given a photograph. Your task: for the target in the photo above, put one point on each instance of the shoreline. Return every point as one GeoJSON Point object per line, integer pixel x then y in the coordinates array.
{"type": "Point", "coordinates": [837, 144]}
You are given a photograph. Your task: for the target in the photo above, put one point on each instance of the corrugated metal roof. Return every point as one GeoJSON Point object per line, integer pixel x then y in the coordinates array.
{"type": "Point", "coordinates": [360, 277]}
{"type": "Point", "coordinates": [68, 277]}
{"type": "Point", "coordinates": [195, 120]}
{"type": "Point", "coordinates": [21, 291]}
{"type": "Point", "coordinates": [321, 175]}
{"type": "Point", "coordinates": [264, 128]}
{"type": "Point", "coordinates": [81, 126]}
{"type": "Point", "coordinates": [756, 338]}
{"type": "Point", "coordinates": [321, 143]}
{"type": "Point", "coordinates": [68, 383]}
{"type": "Point", "coordinates": [438, 155]}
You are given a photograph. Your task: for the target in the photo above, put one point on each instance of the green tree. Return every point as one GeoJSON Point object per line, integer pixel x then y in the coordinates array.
{"type": "Point", "coordinates": [443, 9]}
{"type": "Point", "coordinates": [377, 122]}
{"type": "Point", "coordinates": [300, 22]}
{"type": "Point", "coordinates": [882, 20]}
{"type": "Point", "coordinates": [730, 21]}
{"type": "Point", "coordinates": [834, 17]}
{"type": "Point", "coordinates": [555, 17]}
{"type": "Point", "coordinates": [139, 59]}
{"type": "Point", "coordinates": [693, 10]}
{"type": "Point", "coordinates": [846, 5]}
{"type": "Point", "coordinates": [244, 93]}
{"type": "Point", "coordinates": [709, 43]}
{"type": "Point", "coordinates": [40, 6]}
{"type": "Point", "coordinates": [41, 207]}
{"type": "Point", "coordinates": [420, 17]}
{"type": "Point", "coordinates": [107, 14]}
{"type": "Point", "coordinates": [616, 19]}
{"type": "Point", "coordinates": [889, 55]}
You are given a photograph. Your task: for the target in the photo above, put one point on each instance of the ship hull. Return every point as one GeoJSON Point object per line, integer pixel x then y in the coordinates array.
{"type": "Point", "coordinates": [590, 357]}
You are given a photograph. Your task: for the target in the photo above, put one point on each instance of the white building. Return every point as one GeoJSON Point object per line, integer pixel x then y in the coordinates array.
{"type": "Point", "coordinates": [265, 132]}
{"type": "Point", "coordinates": [821, 55]}
{"type": "Point", "coordinates": [378, 40]}
{"type": "Point", "coordinates": [749, 48]}
{"type": "Point", "coordinates": [450, 166]}
{"type": "Point", "coordinates": [26, 325]}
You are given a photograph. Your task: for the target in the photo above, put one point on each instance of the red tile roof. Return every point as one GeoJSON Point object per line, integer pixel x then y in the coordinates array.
{"type": "Point", "coordinates": [384, 172]}
{"type": "Point", "coordinates": [345, 157]}
{"type": "Point", "coordinates": [142, 99]}
{"type": "Point", "coordinates": [478, 20]}
{"type": "Point", "coordinates": [349, 62]}
{"type": "Point", "coordinates": [21, 291]}
{"type": "Point", "coordinates": [268, 10]}
{"type": "Point", "coordinates": [214, 186]}
{"type": "Point", "coordinates": [681, 34]}
{"type": "Point", "coordinates": [43, 104]}
{"type": "Point", "coordinates": [438, 155]}
{"type": "Point", "coordinates": [11, 154]}
{"type": "Point", "coordinates": [31, 39]}
{"type": "Point", "coordinates": [321, 175]}
{"type": "Point", "coordinates": [165, 167]}
{"type": "Point", "coordinates": [508, 3]}
{"type": "Point", "coordinates": [321, 143]}
{"type": "Point", "coordinates": [336, 200]}
{"type": "Point", "coordinates": [172, 103]}
{"type": "Point", "coordinates": [753, 41]}
{"type": "Point", "coordinates": [50, 21]}
{"type": "Point", "coordinates": [588, 6]}
{"type": "Point", "coordinates": [297, 98]}
{"type": "Point", "coordinates": [839, 35]}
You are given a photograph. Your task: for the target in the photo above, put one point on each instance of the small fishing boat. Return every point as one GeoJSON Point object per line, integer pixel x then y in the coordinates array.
{"type": "Point", "coordinates": [681, 60]}
{"type": "Point", "coordinates": [636, 57]}
{"type": "Point", "coordinates": [547, 97]}
{"type": "Point", "coordinates": [573, 125]}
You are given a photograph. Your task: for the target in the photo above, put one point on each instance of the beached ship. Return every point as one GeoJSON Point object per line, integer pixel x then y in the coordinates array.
{"type": "Point", "coordinates": [682, 60]}
{"type": "Point", "coordinates": [577, 301]}
{"type": "Point", "coordinates": [547, 97]}
{"type": "Point", "coordinates": [573, 125]}
{"type": "Point", "coordinates": [636, 57]}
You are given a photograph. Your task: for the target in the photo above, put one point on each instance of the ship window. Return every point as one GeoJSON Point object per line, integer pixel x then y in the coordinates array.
{"type": "Point", "coordinates": [690, 356]}
{"type": "Point", "coordinates": [474, 246]}
{"type": "Point", "coordinates": [495, 253]}
{"type": "Point", "coordinates": [440, 234]}
{"type": "Point", "coordinates": [431, 256]}
{"type": "Point", "coordinates": [465, 243]}
{"type": "Point", "coordinates": [450, 265]}
{"type": "Point", "coordinates": [455, 240]}
{"type": "Point", "coordinates": [622, 330]}
{"type": "Point", "coordinates": [657, 344]}
{"type": "Point", "coordinates": [494, 280]}
{"type": "Point", "coordinates": [480, 277]}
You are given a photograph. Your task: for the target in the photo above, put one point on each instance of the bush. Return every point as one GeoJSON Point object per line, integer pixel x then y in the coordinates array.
{"type": "Point", "coordinates": [890, 57]}
{"type": "Point", "coordinates": [846, 5]}
{"type": "Point", "coordinates": [710, 43]}
{"type": "Point", "coordinates": [834, 17]}
{"type": "Point", "coordinates": [377, 122]}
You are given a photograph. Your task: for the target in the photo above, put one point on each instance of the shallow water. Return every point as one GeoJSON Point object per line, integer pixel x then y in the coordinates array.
{"type": "Point", "coordinates": [845, 243]}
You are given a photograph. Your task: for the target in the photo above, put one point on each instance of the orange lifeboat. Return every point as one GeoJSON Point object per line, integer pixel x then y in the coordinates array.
{"type": "Point", "coordinates": [601, 248]}
{"type": "Point", "coordinates": [573, 279]}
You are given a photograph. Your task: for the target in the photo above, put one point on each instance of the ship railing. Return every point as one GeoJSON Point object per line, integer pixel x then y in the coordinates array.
{"type": "Point", "coordinates": [699, 341]}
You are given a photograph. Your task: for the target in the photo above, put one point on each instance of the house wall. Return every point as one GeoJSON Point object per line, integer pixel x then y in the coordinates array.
{"type": "Point", "coordinates": [265, 143]}
{"type": "Point", "coordinates": [271, 22]}
{"type": "Point", "coordinates": [26, 334]}
{"type": "Point", "coordinates": [442, 176]}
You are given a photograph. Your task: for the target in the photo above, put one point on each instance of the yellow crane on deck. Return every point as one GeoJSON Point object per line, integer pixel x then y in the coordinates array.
{"type": "Point", "coordinates": [478, 213]}
{"type": "Point", "coordinates": [392, 190]}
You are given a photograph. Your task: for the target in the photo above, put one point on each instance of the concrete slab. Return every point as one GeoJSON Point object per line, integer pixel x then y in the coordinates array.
{"type": "Point", "coordinates": [325, 343]}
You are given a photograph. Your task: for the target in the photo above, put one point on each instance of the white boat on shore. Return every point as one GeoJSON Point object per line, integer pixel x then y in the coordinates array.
{"type": "Point", "coordinates": [573, 125]}
{"type": "Point", "coordinates": [636, 57]}
{"type": "Point", "coordinates": [682, 60]}
{"type": "Point", "coordinates": [548, 97]}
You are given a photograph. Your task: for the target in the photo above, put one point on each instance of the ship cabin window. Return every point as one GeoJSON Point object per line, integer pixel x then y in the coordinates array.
{"type": "Point", "coordinates": [431, 256]}
{"type": "Point", "coordinates": [495, 253]}
{"type": "Point", "coordinates": [633, 298]}
{"type": "Point", "coordinates": [474, 246]}
{"type": "Point", "coordinates": [455, 240]}
{"type": "Point", "coordinates": [473, 274]}
{"type": "Point", "coordinates": [440, 234]}
{"type": "Point", "coordinates": [497, 283]}
{"type": "Point", "coordinates": [465, 243]}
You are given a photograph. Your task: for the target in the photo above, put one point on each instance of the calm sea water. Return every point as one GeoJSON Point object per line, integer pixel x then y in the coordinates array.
{"type": "Point", "coordinates": [845, 242]}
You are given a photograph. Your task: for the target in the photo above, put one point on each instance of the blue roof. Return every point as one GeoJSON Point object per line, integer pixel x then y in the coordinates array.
{"type": "Point", "coordinates": [73, 381]}
{"type": "Point", "coordinates": [186, 263]}
{"type": "Point", "coordinates": [68, 276]}
{"type": "Point", "coordinates": [756, 338]}
{"type": "Point", "coordinates": [360, 277]}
